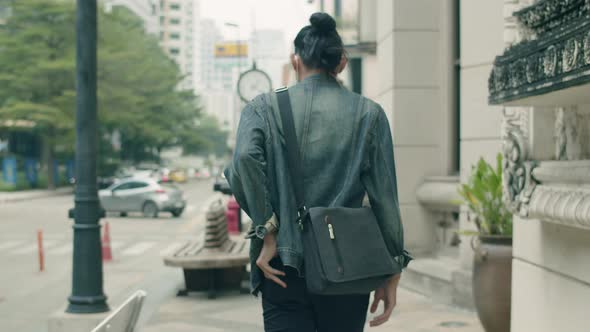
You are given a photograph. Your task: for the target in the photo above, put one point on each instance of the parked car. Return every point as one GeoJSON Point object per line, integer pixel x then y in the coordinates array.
{"type": "Point", "coordinates": [163, 175]}
{"type": "Point", "coordinates": [203, 173]}
{"type": "Point", "coordinates": [178, 175]}
{"type": "Point", "coordinates": [191, 173]}
{"type": "Point", "coordinates": [144, 173]}
{"type": "Point", "coordinates": [142, 195]}
{"type": "Point", "coordinates": [105, 182]}
{"type": "Point", "coordinates": [221, 185]}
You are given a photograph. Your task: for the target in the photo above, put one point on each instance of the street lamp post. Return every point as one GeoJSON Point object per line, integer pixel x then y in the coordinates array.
{"type": "Point", "coordinates": [238, 43]}
{"type": "Point", "coordinates": [236, 111]}
{"type": "Point", "coordinates": [87, 283]}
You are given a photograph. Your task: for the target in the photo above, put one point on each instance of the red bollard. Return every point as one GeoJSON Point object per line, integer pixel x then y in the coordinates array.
{"type": "Point", "coordinates": [232, 215]}
{"type": "Point", "coordinates": [40, 250]}
{"type": "Point", "coordinates": [107, 255]}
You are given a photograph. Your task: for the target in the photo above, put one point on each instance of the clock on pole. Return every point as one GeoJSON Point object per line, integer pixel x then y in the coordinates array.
{"type": "Point", "coordinates": [252, 83]}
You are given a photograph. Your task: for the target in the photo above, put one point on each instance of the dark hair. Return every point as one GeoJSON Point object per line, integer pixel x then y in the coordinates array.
{"type": "Point", "coordinates": [319, 45]}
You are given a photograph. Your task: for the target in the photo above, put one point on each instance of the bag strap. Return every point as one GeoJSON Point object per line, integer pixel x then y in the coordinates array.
{"type": "Point", "coordinates": [293, 154]}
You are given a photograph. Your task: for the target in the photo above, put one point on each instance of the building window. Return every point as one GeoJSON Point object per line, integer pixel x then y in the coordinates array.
{"type": "Point", "coordinates": [161, 19]}
{"type": "Point", "coordinates": [174, 21]}
{"type": "Point", "coordinates": [175, 6]}
{"type": "Point", "coordinates": [162, 35]}
{"type": "Point", "coordinates": [174, 35]}
{"type": "Point", "coordinates": [174, 51]}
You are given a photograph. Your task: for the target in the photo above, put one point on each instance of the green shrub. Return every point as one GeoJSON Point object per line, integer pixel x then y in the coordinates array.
{"type": "Point", "coordinates": [483, 196]}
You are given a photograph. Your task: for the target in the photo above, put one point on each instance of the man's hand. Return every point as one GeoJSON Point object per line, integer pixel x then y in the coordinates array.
{"type": "Point", "coordinates": [268, 252]}
{"type": "Point", "coordinates": [387, 294]}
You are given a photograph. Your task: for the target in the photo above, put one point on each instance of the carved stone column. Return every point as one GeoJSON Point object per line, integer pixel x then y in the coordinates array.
{"type": "Point", "coordinates": [518, 184]}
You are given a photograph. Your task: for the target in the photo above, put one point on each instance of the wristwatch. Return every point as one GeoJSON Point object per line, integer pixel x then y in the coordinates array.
{"type": "Point", "coordinates": [271, 226]}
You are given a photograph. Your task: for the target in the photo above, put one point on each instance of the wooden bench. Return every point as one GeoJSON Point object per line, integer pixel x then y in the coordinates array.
{"type": "Point", "coordinates": [216, 261]}
{"type": "Point", "coordinates": [125, 317]}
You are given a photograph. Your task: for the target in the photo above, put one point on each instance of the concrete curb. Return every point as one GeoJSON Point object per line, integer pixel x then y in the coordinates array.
{"type": "Point", "coordinates": [26, 196]}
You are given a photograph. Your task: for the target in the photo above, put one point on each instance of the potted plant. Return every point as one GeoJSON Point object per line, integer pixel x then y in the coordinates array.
{"type": "Point", "coordinates": [492, 244]}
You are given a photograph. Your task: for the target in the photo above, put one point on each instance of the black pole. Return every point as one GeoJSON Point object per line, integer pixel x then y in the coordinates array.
{"type": "Point", "coordinates": [87, 284]}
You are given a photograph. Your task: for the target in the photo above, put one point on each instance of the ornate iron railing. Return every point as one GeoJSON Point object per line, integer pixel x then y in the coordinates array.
{"type": "Point", "coordinates": [556, 55]}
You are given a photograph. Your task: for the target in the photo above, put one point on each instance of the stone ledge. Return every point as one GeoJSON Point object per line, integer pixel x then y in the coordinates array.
{"type": "Point", "coordinates": [559, 193]}
{"type": "Point", "coordinates": [439, 193]}
{"type": "Point", "coordinates": [563, 172]}
{"type": "Point", "coordinates": [561, 205]}
{"type": "Point", "coordinates": [440, 279]}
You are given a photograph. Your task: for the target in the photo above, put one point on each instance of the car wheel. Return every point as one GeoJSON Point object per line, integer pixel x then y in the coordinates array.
{"type": "Point", "coordinates": [177, 213]}
{"type": "Point", "coordinates": [150, 210]}
{"type": "Point", "coordinates": [123, 214]}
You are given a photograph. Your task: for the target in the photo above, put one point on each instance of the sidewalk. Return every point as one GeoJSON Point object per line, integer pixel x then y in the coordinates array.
{"type": "Point", "coordinates": [26, 195]}
{"type": "Point", "coordinates": [235, 312]}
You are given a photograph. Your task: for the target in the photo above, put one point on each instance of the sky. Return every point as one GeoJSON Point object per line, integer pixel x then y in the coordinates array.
{"type": "Point", "coordinates": [286, 15]}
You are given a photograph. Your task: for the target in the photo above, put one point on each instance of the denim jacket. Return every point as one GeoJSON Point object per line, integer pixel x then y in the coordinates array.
{"type": "Point", "coordinates": [346, 150]}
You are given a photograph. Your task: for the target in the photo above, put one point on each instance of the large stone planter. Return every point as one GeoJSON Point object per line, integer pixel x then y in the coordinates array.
{"type": "Point", "coordinates": [492, 279]}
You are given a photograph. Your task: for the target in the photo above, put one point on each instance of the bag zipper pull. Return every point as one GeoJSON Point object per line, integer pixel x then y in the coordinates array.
{"type": "Point", "coordinates": [331, 230]}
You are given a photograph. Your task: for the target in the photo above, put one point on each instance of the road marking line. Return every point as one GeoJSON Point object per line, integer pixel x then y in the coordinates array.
{"type": "Point", "coordinates": [116, 244]}
{"type": "Point", "coordinates": [138, 248]}
{"type": "Point", "coordinates": [171, 248]}
{"type": "Point", "coordinates": [31, 248]}
{"type": "Point", "coordinates": [10, 244]}
{"type": "Point", "coordinates": [64, 249]}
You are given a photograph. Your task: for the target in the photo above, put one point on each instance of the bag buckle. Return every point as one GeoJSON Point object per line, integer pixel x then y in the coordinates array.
{"type": "Point", "coordinates": [301, 212]}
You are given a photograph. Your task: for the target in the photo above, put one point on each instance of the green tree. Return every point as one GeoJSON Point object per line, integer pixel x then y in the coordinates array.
{"type": "Point", "coordinates": [210, 139]}
{"type": "Point", "coordinates": [138, 89]}
{"type": "Point", "coordinates": [138, 95]}
{"type": "Point", "coordinates": [37, 57]}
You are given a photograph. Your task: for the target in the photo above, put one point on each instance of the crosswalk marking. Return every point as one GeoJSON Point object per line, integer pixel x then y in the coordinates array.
{"type": "Point", "coordinates": [138, 248]}
{"type": "Point", "coordinates": [62, 247]}
{"type": "Point", "coordinates": [9, 244]}
{"type": "Point", "coordinates": [62, 250]}
{"type": "Point", "coordinates": [116, 244]}
{"type": "Point", "coordinates": [31, 248]}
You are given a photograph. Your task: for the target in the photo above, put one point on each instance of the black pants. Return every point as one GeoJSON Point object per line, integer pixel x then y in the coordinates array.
{"type": "Point", "coordinates": [294, 309]}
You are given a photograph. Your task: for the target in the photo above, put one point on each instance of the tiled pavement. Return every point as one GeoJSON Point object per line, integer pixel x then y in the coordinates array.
{"type": "Point", "coordinates": [235, 312]}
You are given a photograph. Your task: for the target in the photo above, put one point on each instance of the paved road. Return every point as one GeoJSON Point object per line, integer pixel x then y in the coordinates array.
{"type": "Point", "coordinates": [28, 297]}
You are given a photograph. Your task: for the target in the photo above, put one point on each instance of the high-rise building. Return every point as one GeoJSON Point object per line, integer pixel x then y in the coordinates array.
{"type": "Point", "coordinates": [215, 100]}
{"type": "Point", "coordinates": [230, 59]}
{"type": "Point", "coordinates": [179, 23]}
{"type": "Point", "coordinates": [146, 10]}
{"type": "Point", "coordinates": [210, 35]}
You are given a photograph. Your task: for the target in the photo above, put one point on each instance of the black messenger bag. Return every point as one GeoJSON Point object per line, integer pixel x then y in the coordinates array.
{"type": "Point", "coordinates": [344, 250]}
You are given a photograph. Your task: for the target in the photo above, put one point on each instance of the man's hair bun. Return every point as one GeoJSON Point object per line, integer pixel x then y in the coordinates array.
{"type": "Point", "coordinates": [322, 22]}
{"type": "Point", "coordinates": [319, 45]}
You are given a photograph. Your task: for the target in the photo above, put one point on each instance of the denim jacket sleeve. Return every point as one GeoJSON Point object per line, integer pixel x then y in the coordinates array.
{"type": "Point", "coordinates": [380, 182]}
{"type": "Point", "coordinates": [247, 175]}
